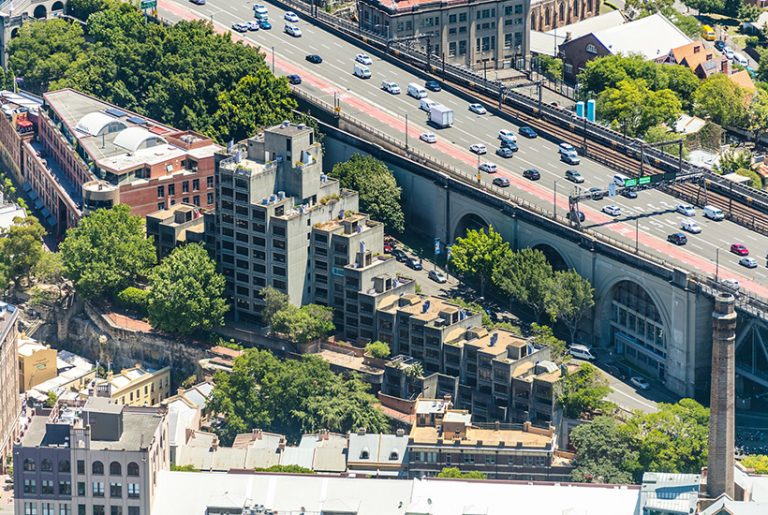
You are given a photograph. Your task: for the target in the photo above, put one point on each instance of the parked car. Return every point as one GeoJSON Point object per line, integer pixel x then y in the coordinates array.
{"type": "Point", "coordinates": [487, 167]}
{"type": "Point", "coordinates": [413, 263]}
{"type": "Point", "coordinates": [501, 182]}
{"type": "Point", "coordinates": [433, 85]}
{"type": "Point", "coordinates": [528, 132]}
{"type": "Point", "coordinates": [581, 352]}
{"type": "Point", "coordinates": [640, 382]}
{"type": "Point", "coordinates": [240, 27]}
{"type": "Point", "coordinates": [399, 255]}
{"type": "Point", "coordinates": [389, 246]}
{"type": "Point", "coordinates": [294, 79]}
{"type": "Point", "coordinates": [739, 249]}
{"type": "Point", "coordinates": [429, 137]}
{"type": "Point", "coordinates": [612, 210]}
{"type": "Point", "coordinates": [532, 174]}
{"type": "Point", "coordinates": [748, 262]}
{"type": "Point", "coordinates": [720, 45]}
{"type": "Point", "coordinates": [629, 193]}
{"type": "Point", "coordinates": [390, 87]}
{"type": "Point", "coordinates": [437, 276]}
{"type": "Point", "coordinates": [477, 108]}
{"type": "Point", "coordinates": [579, 214]}
{"type": "Point", "coordinates": [686, 210]}
{"type": "Point", "coordinates": [596, 193]}
{"type": "Point", "coordinates": [691, 226]}
{"type": "Point", "coordinates": [291, 17]}
{"type": "Point", "coordinates": [574, 176]}
{"type": "Point", "coordinates": [478, 148]}
{"type": "Point", "coordinates": [364, 59]}
{"type": "Point", "coordinates": [727, 52]}
{"type": "Point", "coordinates": [677, 238]}
{"type": "Point", "coordinates": [505, 152]}
{"type": "Point", "coordinates": [265, 25]}
{"type": "Point", "coordinates": [314, 59]}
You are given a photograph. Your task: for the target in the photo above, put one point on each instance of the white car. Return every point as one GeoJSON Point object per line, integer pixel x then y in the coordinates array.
{"type": "Point", "coordinates": [390, 87]}
{"type": "Point", "coordinates": [612, 210]}
{"type": "Point", "coordinates": [437, 276]}
{"type": "Point", "coordinates": [748, 262]}
{"type": "Point", "coordinates": [293, 30]}
{"type": "Point", "coordinates": [690, 226]}
{"type": "Point", "coordinates": [640, 382]}
{"type": "Point", "coordinates": [291, 17]}
{"type": "Point", "coordinates": [364, 59]}
{"type": "Point", "coordinates": [487, 167]}
{"type": "Point", "coordinates": [731, 284]}
{"type": "Point", "coordinates": [507, 135]}
{"type": "Point", "coordinates": [477, 108]}
{"type": "Point", "coordinates": [728, 52]}
{"type": "Point", "coordinates": [478, 148]}
{"type": "Point", "coordinates": [428, 137]}
{"type": "Point", "coordinates": [686, 210]}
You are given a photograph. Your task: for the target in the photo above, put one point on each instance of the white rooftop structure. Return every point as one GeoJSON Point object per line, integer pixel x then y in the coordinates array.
{"type": "Point", "coordinates": [98, 123]}
{"type": "Point", "coordinates": [8, 213]}
{"type": "Point", "coordinates": [134, 138]}
{"type": "Point", "coordinates": [71, 368]}
{"type": "Point", "coordinates": [547, 42]}
{"type": "Point", "coordinates": [652, 37]}
{"type": "Point", "coordinates": [688, 124]}
{"type": "Point", "coordinates": [430, 407]}
{"type": "Point", "coordinates": [194, 492]}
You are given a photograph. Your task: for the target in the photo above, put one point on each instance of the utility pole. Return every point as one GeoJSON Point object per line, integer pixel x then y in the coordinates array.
{"type": "Point", "coordinates": [273, 60]}
{"type": "Point", "coordinates": [554, 201]}
{"type": "Point", "coordinates": [637, 234]}
{"type": "Point", "coordinates": [406, 132]}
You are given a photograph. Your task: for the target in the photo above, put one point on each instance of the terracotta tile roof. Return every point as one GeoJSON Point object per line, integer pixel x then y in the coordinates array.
{"type": "Point", "coordinates": [742, 79]}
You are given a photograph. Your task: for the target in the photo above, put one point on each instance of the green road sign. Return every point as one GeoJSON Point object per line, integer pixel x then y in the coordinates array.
{"type": "Point", "coordinates": [148, 4]}
{"type": "Point", "coordinates": [649, 179]}
{"type": "Point", "coordinates": [630, 183]}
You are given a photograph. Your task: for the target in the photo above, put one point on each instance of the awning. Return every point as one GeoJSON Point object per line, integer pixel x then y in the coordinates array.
{"type": "Point", "coordinates": [32, 194]}
{"type": "Point", "coordinates": [45, 212]}
{"type": "Point", "coordinates": [26, 186]}
{"type": "Point", "coordinates": [51, 221]}
{"type": "Point", "coordinates": [38, 204]}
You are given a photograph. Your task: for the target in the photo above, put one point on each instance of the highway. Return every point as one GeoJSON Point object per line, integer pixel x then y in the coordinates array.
{"type": "Point", "coordinates": [646, 220]}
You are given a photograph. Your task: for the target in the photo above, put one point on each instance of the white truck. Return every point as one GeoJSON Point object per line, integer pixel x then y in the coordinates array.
{"type": "Point", "coordinates": [440, 116]}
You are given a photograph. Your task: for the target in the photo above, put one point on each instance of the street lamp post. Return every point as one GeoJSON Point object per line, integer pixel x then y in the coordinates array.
{"type": "Point", "coordinates": [554, 201]}
{"type": "Point", "coordinates": [273, 60]}
{"type": "Point", "coordinates": [717, 265]}
{"type": "Point", "coordinates": [637, 234]}
{"type": "Point", "coordinates": [406, 132]}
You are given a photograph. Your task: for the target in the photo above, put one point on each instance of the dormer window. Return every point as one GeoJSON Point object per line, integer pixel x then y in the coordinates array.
{"type": "Point", "coordinates": [592, 49]}
{"type": "Point", "coordinates": [365, 455]}
{"type": "Point", "coordinates": [393, 456]}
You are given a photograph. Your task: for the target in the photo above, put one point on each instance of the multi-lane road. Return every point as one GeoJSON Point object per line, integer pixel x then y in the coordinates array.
{"type": "Point", "coordinates": [647, 220]}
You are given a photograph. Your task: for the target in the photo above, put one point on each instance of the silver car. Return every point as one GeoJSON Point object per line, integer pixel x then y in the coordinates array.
{"type": "Point", "coordinates": [437, 276]}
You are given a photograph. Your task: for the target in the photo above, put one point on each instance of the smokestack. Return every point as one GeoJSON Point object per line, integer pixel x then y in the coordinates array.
{"type": "Point", "coordinates": [722, 399]}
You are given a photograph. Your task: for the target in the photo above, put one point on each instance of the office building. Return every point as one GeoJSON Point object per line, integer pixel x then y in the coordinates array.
{"type": "Point", "coordinates": [485, 33]}
{"type": "Point", "coordinates": [549, 15]}
{"type": "Point", "coordinates": [101, 459]}
{"type": "Point", "coordinates": [37, 363]}
{"type": "Point", "coordinates": [17, 125]}
{"type": "Point", "coordinates": [10, 402]}
{"type": "Point", "coordinates": [174, 226]}
{"type": "Point", "coordinates": [135, 386]}
{"type": "Point", "coordinates": [88, 154]}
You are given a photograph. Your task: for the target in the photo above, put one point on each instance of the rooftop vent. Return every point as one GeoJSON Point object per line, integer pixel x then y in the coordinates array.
{"type": "Point", "coordinates": [425, 307]}
{"type": "Point", "coordinates": [494, 339]}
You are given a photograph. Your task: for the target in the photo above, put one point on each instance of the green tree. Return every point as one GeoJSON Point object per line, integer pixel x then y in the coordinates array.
{"type": "Point", "coordinates": [689, 25]}
{"type": "Point", "coordinates": [274, 301]}
{"type": "Point", "coordinates": [186, 294]}
{"type": "Point", "coordinates": [184, 468]}
{"type": "Point", "coordinates": [49, 269]}
{"type": "Point", "coordinates": [379, 192]}
{"type": "Point", "coordinates": [758, 114]}
{"type": "Point", "coordinates": [82, 9]}
{"type": "Point", "coordinates": [50, 402]}
{"type": "Point", "coordinates": [549, 66]}
{"type": "Point", "coordinates": [748, 13]}
{"type": "Point", "coordinates": [756, 462]}
{"type": "Point", "coordinates": [456, 473]}
{"type": "Point", "coordinates": [543, 335]}
{"type": "Point", "coordinates": [107, 252]}
{"type": "Point", "coordinates": [732, 160]}
{"type": "Point", "coordinates": [644, 8]}
{"type": "Point", "coordinates": [378, 349]}
{"type": "Point", "coordinates": [706, 6]}
{"type": "Point", "coordinates": [475, 254]}
{"type": "Point", "coordinates": [570, 299]}
{"type": "Point", "coordinates": [21, 247]}
{"type": "Point", "coordinates": [285, 469]}
{"type": "Point", "coordinates": [526, 276]}
{"type": "Point", "coordinates": [305, 324]}
{"type": "Point", "coordinates": [755, 180]}
{"type": "Point", "coordinates": [134, 298]}
{"type": "Point", "coordinates": [722, 100]}
{"type": "Point", "coordinates": [583, 391]}
{"type": "Point", "coordinates": [606, 452]}
{"type": "Point", "coordinates": [634, 108]}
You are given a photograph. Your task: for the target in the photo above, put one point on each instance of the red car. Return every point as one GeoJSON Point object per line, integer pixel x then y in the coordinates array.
{"type": "Point", "coordinates": [389, 246]}
{"type": "Point", "coordinates": [740, 249]}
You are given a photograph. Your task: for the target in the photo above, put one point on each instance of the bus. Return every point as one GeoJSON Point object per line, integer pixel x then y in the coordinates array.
{"type": "Point", "coordinates": [708, 33]}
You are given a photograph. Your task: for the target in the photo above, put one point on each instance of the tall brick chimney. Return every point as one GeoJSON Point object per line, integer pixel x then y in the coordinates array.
{"type": "Point", "coordinates": [722, 399]}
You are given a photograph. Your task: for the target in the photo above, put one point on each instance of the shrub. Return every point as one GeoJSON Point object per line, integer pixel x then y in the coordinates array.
{"type": "Point", "coordinates": [133, 298]}
{"type": "Point", "coordinates": [756, 181]}
{"type": "Point", "coordinates": [378, 349]}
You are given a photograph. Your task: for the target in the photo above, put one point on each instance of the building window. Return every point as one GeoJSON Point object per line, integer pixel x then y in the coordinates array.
{"type": "Point", "coordinates": [116, 510]}
{"type": "Point", "coordinates": [507, 40]}
{"type": "Point", "coordinates": [48, 508]}
{"type": "Point", "coordinates": [592, 49]}
{"type": "Point", "coordinates": [171, 189]}
{"type": "Point", "coordinates": [81, 488]}
{"type": "Point", "coordinates": [115, 489]}
{"type": "Point", "coordinates": [196, 185]}
{"type": "Point", "coordinates": [46, 487]}
{"type": "Point", "coordinates": [133, 491]}
{"type": "Point", "coordinates": [30, 486]}
{"type": "Point", "coordinates": [209, 198]}
{"type": "Point", "coordinates": [196, 200]}
{"type": "Point", "coordinates": [81, 509]}
{"type": "Point", "coordinates": [209, 182]}
{"type": "Point", "coordinates": [160, 191]}
{"type": "Point", "coordinates": [185, 187]}
{"type": "Point", "coordinates": [568, 68]}
{"type": "Point", "coordinates": [30, 508]}
{"type": "Point", "coordinates": [160, 206]}
{"type": "Point", "coordinates": [65, 487]}
{"type": "Point", "coordinates": [451, 18]}
{"type": "Point", "coordinates": [65, 509]}
{"type": "Point", "coordinates": [29, 465]}
{"type": "Point", "coordinates": [46, 465]}
{"type": "Point", "coordinates": [98, 509]}
{"type": "Point", "coordinates": [114, 468]}
{"type": "Point", "coordinates": [134, 510]}
{"type": "Point", "coordinates": [452, 49]}
{"type": "Point", "coordinates": [98, 488]}
{"type": "Point", "coordinates": [64, 466]}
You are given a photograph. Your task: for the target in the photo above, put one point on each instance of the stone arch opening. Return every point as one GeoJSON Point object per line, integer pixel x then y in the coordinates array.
{"type": "Point", "coordinates": [467, 222]}
{"type": "Point", "coordinates": [638, 329]}
{"type": "Point", "coordinates": [575, 8]}
{"type": "Point", "coordinates": [562, 11]}
{"type": "Point", "coordinates": [14, 32]}
{"type": "Point", "coordinates": [40, 12]}
{"type": "Point", "coordinates": [752, 364]}
{"type": "Point", "coordinates": [547, 19]}
{"type": "Point", "coordinates": [553, 256]}
{"type": "Point", "coordinates": [57, 6]}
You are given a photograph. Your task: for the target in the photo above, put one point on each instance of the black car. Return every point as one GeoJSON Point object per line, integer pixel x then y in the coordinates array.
{"type": "Point", "coordinates": [501, 182]}
{"type": "Point", "coordinates": [581, 216]}
{"type": "Point", "coordinates": [532, 174]}
{"type": "Point", "coordinates": [505, 152]}
{"type": "Point", "coordinates": [400, 255]}
{"type": "Point", "coordinates": [720, 44]}
{"type": "Point", "coordinates": [597, 193]}
{"type": "Point", "coordinates": [414, 263]}
{"type": "Point", "coordinates": [629, 193]}
{"type": "Point", "coordinates": [294, 79]}
{"type": "Point", "coordinates": [528, 132]}
{"type": "Point", "coordinates": [511, 145]}
{"type": "Point", "coordinates": [678, 238]}
{"type": "Point", "coordinates": [433, 85]}
{"type": "Point", "coordinates": [314, 59]}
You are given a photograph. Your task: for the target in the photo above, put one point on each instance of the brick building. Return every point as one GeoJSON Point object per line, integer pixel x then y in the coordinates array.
{"type": "Point", "coordinates": [10, 403]}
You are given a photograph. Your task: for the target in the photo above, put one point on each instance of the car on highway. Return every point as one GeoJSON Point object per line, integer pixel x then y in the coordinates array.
{"type": "Point", "coordinates": [596, 193]}
{"type": "Point", "coordinates": [487, 167]}
{"type": "Point", "coordinates": [501, 182]}
{"type": "Point", "coordinates": [292, 30]}
{"type": "Point", "coordinates": [437, 276]}
{"type": "Point", "coordinates": [253, 25]}
{"type": "Point", "coordinates": [505, 152]}
{"type": "Point", "coordinates": [571, 159]}
{"type": "Point", "coordinates": [677, 238]}
{"type": "Point", "coordinates": [413, 263]}
{"type": "Point", "coordinates": [399, 255]}
{"type": "Point", "coordinates": [240, 27]}
{"type": "Point", "coordinates": [364, 59]}
{"type": "Point", "coordinates": [477, 108]}
{"type": "Point", "coordinates": [390, 87]}
{"type": "Point", "coordinates": [685, 210]}
{"type": "Point", "coordinates": [640, 382]}
{"type": "Point", "coordinates": [478, 148]}
{"type": "Point", "coordinates": [739, 249]}
{"type": "Point", "coordinates": [198, 2]}
{"type": "Point", "coordinates": [748, 262]}
{"type": "Point", "coordinates": [433, 85]}
{"type": "Point", "coordinates": [428, 137]}
{"type": "Point", "coordinates": [574, 176]}
{"type": "Point", "coordinates": [511, 145]}
{"type": "Point", "coordinates": [507, 135]}
{"type": "Point", "coordinates": [690, 226]}
{"type": "Point", "coordinates": [579, 214]}
{"type": "Point", "coordinates": [612, 210]}
{"type": "Point", "coordinates": [265, 25]}
{"type": "Point", "coordinates": [528, 132]}
{"type": "Point", "coordinates": [629, 193]}
{"type": "Point", "coordinates": [314, 59]}
{"type": "Point", "coordinates": [532, 174]}
{"type": "Point", "coordinates": [720, 45]}
{"type": "Point", "coordinates": [291, 17]}
{"type": "Point", "coordinates": [294, 79]}
{"type": "Point", "coordinates": [730, 284]}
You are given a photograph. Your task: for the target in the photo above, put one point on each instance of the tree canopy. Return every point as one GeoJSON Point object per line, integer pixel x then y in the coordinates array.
{"type": "Point", "coordinates": [186, 294]}
{"type": "Point", "coordinates": [107, 251]}
{"type": "Point", "coordinates": [291, 397]}
{"type": "Point", "coordinates": [456, 473]}
{"type": "Point", "coordinates": [721, 99]}
{"type": "Point", "coordinates": [475, 254]}
{"type": "Point", "coordinates": [378, 349]}
{"type": "Point", "coordinates": [633, 107]}
{"type": "Point", "coordinates": [583, 391]}
{"type": "Point", "coordinates": [570, 299]}
{"type": "Point", "coordinates": [526, 276]}
{"type": "Point", "coordinates": [379, 192]}
{"type": "Point", "coordinates": [305, 324]}
{"type": "Point", "coordinates": [756, 462]}
{"type": "Point", "coordinates": [21, 248]}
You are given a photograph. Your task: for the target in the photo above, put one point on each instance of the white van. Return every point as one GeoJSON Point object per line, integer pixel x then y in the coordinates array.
{"type": "Point", "coordinates": [416, 91]}
{"type": "Point", "coordinates": [714, 213]}
{"type": "Point", "coordinates": [619, 179]}
{"type": "Point", "coordinates": [426, 104]}
{"type": "Point", "coordinates": [740, 59]}
{"type": "Point", "coordinates": [581, 352]}
{"type": "Point", "coordinates": [566, 148]}
{"type": "Point", "coordinates": [362, 71]}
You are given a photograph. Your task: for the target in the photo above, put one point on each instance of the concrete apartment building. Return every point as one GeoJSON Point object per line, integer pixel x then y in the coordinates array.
{"type": "Point", "coordinates": [174, 226]}
{"type": "Point", "coordinates": [102, 459]}
{"type": "Point", "coordinates": [88, 154]}
{"type": "Point", "coordinates": [10, 402]}
{"type": "Point", "coordinates": [490, 33]}
{"type": "Point", "coordinates": [135, 386]}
